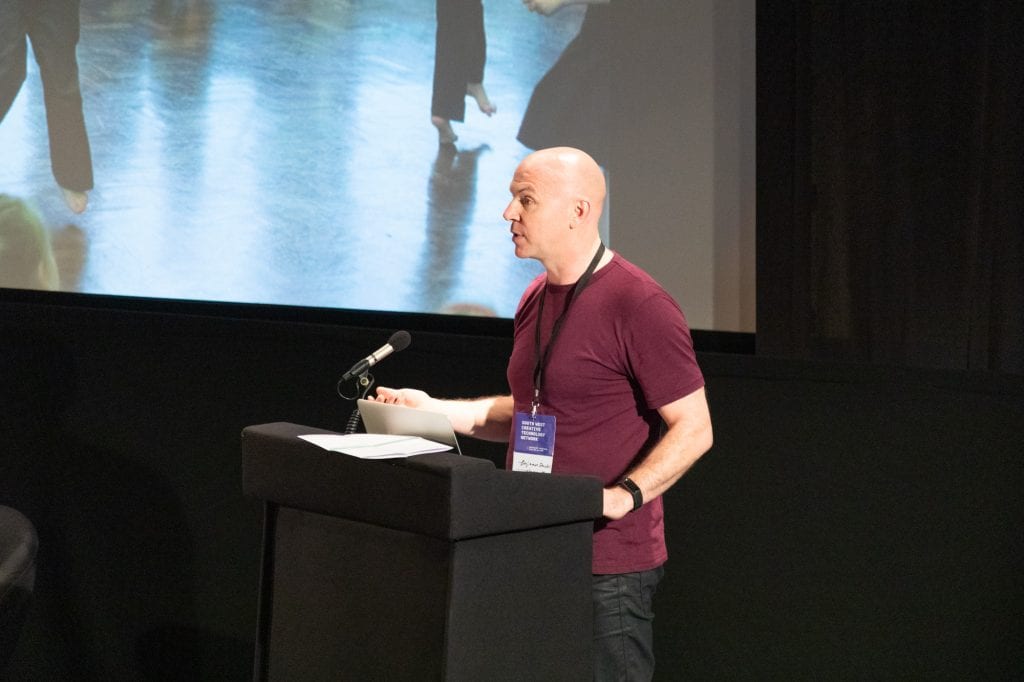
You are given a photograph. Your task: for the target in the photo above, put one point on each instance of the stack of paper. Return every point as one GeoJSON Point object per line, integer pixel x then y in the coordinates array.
{"type": "Point", "coordinates": [375, 446]}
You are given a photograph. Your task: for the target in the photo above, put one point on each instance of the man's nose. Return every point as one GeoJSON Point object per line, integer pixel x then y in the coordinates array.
{"type": "Point", "coordinates": [509, 214]}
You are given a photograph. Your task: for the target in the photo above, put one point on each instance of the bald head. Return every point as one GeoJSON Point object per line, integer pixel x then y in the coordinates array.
{"type": "Point", "coordinates": [573, 172]}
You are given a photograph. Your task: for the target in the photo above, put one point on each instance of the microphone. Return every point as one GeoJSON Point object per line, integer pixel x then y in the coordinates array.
{"type": "Point", "coordinates": [400, 340]}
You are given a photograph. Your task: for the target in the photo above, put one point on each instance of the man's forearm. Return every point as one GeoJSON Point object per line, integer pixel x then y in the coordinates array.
{"type": "Point", "coordinates": [688, 437]}
{"type": "Point", "coordinates": [487, 418]}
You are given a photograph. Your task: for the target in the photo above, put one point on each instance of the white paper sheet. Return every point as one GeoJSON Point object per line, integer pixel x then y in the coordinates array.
{"type": "Point", "coordinates": [375, 446]}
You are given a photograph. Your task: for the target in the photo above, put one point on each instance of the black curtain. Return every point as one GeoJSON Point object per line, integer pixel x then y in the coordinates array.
{"type": "Point", "coordinates": [891, 183]}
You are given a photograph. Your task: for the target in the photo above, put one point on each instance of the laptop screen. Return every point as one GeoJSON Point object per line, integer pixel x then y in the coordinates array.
{"type": "Point", "coordinates": [400, 420]}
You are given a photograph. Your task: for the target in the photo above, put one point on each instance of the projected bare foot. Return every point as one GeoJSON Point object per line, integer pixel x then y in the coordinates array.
{"type": "Point", "coordinates": [445, 134]}
{"type": "Point", "coordinates": [76, 201]}
{"type": "Point", "coordinates": [477, 92]}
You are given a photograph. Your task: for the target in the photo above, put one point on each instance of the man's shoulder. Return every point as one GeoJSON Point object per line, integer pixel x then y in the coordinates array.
{"type": "Point", "coordinates": [624, 268]}
{"type": "Point", "coordinates": [630, 280]}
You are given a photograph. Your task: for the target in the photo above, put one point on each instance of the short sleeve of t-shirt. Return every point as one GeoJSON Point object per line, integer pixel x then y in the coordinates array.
{"type": "Point", "coordinates": [659, 350]}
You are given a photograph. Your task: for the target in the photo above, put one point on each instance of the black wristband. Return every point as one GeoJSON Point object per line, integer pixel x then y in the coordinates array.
{"type": "Point", "coordinates": [634, 490]}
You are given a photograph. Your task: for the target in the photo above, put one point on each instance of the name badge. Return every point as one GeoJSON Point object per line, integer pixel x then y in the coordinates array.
{"type": "Point", "coordinates": [533, 448]}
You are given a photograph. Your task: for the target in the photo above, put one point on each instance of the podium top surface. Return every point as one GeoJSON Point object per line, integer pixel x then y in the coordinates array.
{"type": "Point", "coordinates": [444, 495]}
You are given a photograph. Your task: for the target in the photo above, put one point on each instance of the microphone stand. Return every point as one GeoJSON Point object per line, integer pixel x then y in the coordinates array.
{"type": "Point", "coordinates": [365, 382]}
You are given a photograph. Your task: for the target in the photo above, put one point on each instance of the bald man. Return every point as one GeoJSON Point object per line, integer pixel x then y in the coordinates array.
{"type": "Point", "coordinates": [602, 357]}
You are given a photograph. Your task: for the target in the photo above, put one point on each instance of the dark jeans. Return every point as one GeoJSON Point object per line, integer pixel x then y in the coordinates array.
{"type": "Point", "coordinates": [623, 633]}
{"type": "Point", "coordinates": [53, 28]}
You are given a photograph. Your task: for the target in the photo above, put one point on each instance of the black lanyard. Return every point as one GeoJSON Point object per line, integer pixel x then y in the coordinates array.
{"type": "Point", "coordinates": [542, 356]}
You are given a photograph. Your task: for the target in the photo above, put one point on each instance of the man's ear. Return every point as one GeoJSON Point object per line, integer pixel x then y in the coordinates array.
{"type": "Point", "coordinates": [581, 209]}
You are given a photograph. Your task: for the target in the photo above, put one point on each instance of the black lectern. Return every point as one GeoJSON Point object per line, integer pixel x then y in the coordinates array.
{"type": "Point", "coordinates": [434, 567]}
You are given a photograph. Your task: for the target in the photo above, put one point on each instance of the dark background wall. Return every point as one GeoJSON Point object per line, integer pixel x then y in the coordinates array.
{"type": "Point", "coordinates": [890, 183]}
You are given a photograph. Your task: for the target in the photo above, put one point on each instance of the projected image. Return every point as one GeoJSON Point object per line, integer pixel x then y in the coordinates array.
{"type": "Point", "coordinates": [334, 153]}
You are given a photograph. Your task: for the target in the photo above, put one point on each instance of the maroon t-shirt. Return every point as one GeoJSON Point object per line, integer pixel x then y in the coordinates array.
{"type": "Point", "coordinates": [624, 350]}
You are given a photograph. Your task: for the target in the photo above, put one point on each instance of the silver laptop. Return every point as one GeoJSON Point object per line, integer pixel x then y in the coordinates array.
{"type": "Point", "coordinates": [399, 420]}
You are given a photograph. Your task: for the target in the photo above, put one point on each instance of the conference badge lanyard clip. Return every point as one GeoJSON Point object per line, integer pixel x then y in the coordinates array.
{"type": "Point", "coordinates": [533, 447]}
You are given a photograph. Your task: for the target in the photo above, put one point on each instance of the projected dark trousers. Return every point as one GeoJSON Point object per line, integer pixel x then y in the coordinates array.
{"type": "Point", "coordinates": [460, 52]}
{"type": "Point", "coordinates": [52, 26]}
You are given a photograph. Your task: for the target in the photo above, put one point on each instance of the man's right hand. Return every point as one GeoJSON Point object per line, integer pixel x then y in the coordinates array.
{"type": "Point", "coordinates": [487, 418]}
{"type": "Point", "coordinates": [410, 397]}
